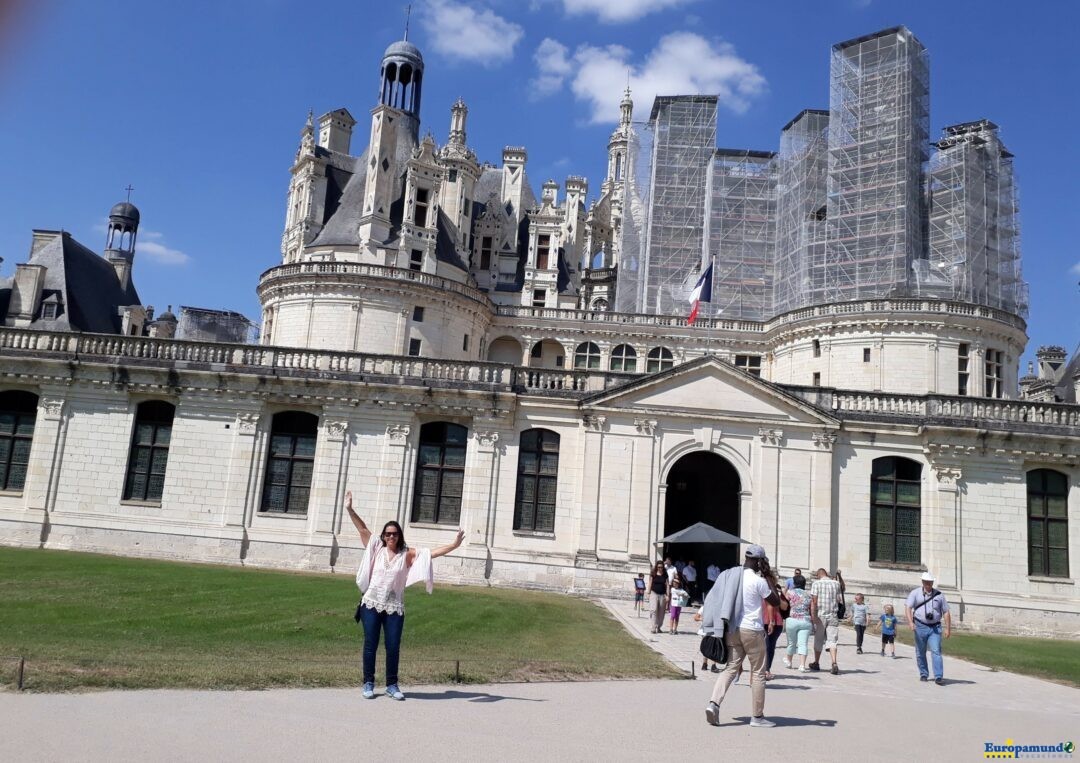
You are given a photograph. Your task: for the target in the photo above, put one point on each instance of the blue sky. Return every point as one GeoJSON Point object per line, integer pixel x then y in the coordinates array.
{"type": "Point", "coordinates": [199, 105]}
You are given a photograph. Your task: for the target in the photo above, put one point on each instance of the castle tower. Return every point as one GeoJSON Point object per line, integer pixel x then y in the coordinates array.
{"type": "Point", "coordinates": [462, 171]}
{"type": "Point", "coordinates": [120, 240]}
{"type": "Point", "coordinates": [307, 194]}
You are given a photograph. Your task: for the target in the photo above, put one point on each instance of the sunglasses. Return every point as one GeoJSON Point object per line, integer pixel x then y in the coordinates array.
{"type": "Point", "coordinates": [391, 534]}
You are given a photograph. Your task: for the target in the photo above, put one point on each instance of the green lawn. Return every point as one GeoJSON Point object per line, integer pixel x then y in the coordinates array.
{"type": "Point", "coordinates": [86, 620]}
{"type": "Point", "coordinates": [1054, 659]}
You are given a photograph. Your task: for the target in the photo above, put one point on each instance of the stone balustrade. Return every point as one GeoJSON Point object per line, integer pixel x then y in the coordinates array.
{"type": "Point", "coordinates": [354, 366]}
{"type": "Point", "coordinates": [839, 309]}
{"type": "Point", "coordinates": [356, 269]}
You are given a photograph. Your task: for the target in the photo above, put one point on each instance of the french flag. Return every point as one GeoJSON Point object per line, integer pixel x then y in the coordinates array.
{"type": "Point", "coordinates": [702, 293]}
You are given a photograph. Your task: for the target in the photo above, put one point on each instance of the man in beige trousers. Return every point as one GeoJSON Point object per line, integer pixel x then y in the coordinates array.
{"type": "Point", "coordinates": [746, 639]}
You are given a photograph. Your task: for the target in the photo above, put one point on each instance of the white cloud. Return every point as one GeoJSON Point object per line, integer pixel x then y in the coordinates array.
{"type": "Point", "coordinates": [682, 63]}
{"type": "Point", "coordinates": [618, 11]}
{"type": "Point", "coordinates": [460, 31]}
{"type": "Point", "coordinates": [1075, 269]}
{"type": "Point", "coordinates": [149, 244]}
{"type": "Point", "coordinates": [552, 67]}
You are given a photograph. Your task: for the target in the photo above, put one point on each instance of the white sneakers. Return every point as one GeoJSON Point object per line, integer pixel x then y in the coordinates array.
{"type": "Point", "coordinates": [712, 715]}
{"type": "Point", "coordinates": [762, 723]}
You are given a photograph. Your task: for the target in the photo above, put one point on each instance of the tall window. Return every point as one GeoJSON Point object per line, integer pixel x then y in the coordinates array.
{"type": "Point", "coordinates": [895, 510]}
{"type": "Point", "coordinates": [18, 412]}
{"type": "Point", "coordinates": [660, 359]}
{"type": "Point", "coordinates": [817, 348]}
{"type": "Point", "coordinates": [1048, 523]}
{"type": "Point", "coordinates": [587, 355]}
{"type": "Point", "coordinates": [540, 298]}
{"type": "Point", "coordinates": [485, 252]}
{"type": "Point", "coordinates": [420, 212]}
{"type": "Point", "coordinates": [543, 248]}
{"type": "Point", "coordinates": [749, 363]}
{"type": "Point", "coordinates": [440, 473]}
{"type": "Point", "coordinates": [995, 360]}
{"type": "Point", "coordinates": [962, 368]}
{"type": "Point", "coordinates": [623, 358]}
{"type": "Point", "coordinates": [416, 260]}
{"type": "Point", "coordinates": [290, 462]}
{"type": "Point", "coordinates": [538, 472]}
{"type": "Point", "coordinates": [149, 451]}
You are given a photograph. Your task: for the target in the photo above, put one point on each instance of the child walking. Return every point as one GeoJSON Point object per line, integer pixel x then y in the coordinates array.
{"type": "Point", "coordinates": [860, 616]}
{"type": "Point", "coordinates": [639, 593]}
{"type": "Point", "coordinates": [679, 599]}
{"type": "Point", "coordinates": [888, 631]}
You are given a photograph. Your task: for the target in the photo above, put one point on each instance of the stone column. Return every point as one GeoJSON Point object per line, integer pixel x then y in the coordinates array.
{"type": "Point", "coordinates": [588, 511]}
{"type": "Point", "coordinates": [245, 472]}
{"type": "Point", "coordinates": [328, 492]}
{"type": "Point", "coordinates": [940, 530]}
{"type": "Point", "coordinates": [396, 474]}
{"type": "Point", "coordinates": [46, 453]}
{"type": "Point", "coordinates": [822, 542]}
{"type": "Point", "coordinates": [482, 489]}
{"type": "Point", "coordinates": [642, 490]}
{"type": "Point", "coordinates": [763, 527]}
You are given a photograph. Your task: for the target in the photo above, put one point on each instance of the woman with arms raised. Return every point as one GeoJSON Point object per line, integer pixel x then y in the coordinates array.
{"type": "Point", "coordinates": [387, 568]}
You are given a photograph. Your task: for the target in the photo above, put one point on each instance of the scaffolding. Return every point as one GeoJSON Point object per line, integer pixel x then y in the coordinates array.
{"type": "Point", "coordinates": [974, 237]}
{"type": "Point", "coordinates": [878, 151]}
{"type": "Point", "coordinates": [635, 217]}
{"type": "Point", "coordinates": [802, 167]}
{"type": "Point", "coordinates": [199, 324]}
{"type": "Point", "coordinates": [683, 140]}
{"type": "Point", "coordinates": [741, 233]}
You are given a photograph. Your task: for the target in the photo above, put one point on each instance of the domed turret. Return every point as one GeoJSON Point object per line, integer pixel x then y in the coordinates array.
{"type": "Point", "coordinates": [401, 76]}
{"type": "Point", "coordinates": [120, 239]}
{"type": "Point", "coordinates": [125, 211]}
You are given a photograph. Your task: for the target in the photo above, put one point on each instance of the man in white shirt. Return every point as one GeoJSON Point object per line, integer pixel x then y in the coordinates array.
{"type": "Point", "coordinates": [746, 639]}
{"type": "Point", "coordinates": [712, 572]}
{"type": "Point", "coordinates": [689, 573]}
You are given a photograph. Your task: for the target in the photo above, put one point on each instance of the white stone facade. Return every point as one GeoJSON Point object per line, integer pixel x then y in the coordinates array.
{"type": "Point", "coordinates": [803, 459]}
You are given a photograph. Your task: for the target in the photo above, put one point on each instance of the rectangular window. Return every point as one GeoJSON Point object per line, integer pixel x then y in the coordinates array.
{"type": "Point", "coordinates": [414, 347]}
{"type": "Point", "coordinates": [749, 363]}
{"type": "Point", "coordinates": [290, 463]}
{"type": "Point", "coordinates": [485, 252]}
{"type": "Point", "coordinates": [543, 248]}
{"type": "Point", "coordinates": [538, 472]}
{"type": "Point", "coordinates": [1048, 523]}
{"type": "Point", "coordinates": [48, 311]}
{"type": "Point", "coordinates": [817, 378]}
{"type": "Point", "coordinates": [465, 343]}
{"type": "Point", "coordinates": [418, 314]}
{"type": "Point", "coordinates": [995, 360]}
{"type": "Point", "coordinates": [866, 355]}
{"type": "Point", "coordinates": [817, 348]}
{"type": "Point", "coordinates": [540, 298]}
{"type": "Point", "coordinates": [18, 413]}
{"type": "Point", "coordinates": [453, 176]}
{"type": "Point", "coordinates": [149, 451]}
{"type": "Point", "coordinates": [440, 473]}
{"type": "Point", "coordinates": [962, 369]}
{"type": "Point", "coordinates": [896, 510]}
{"type": "Point", "coordinates": [560, 361]}
{"type": "Point", "coordinates": [420, 212]}
{"type": "Point", "coordinates": [416, 260]}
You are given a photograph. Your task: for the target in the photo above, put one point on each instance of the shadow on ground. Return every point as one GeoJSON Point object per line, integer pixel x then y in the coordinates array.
{"type": "Point", "coordinates": [468, 696]}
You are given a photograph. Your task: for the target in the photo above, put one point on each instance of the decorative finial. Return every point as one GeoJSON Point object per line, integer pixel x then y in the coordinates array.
{"type": "Point", "coordinates": [129, 189]}
{"type": "Point", "coordinates": [408, 14]}
{"type": "Point", "coordinates": [310, 118]}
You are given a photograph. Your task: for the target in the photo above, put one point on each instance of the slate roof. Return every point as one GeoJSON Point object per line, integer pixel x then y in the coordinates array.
{"type": "Point", "coordinates": [344, 200]}
{"type": "Point", "coordinates": [85, 283]}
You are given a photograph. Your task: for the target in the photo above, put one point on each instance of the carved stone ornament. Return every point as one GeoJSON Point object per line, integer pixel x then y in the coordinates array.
{"type": "Point", "coordinates": [771, 436]}
{"type": "Point", "coordinates": [336, 429]}
{"type": "Point", "coordinates": [594, 422]}
{"type": "Point", "coordinates": [52, 406]}
{"type": "Point", "coordinates": [948, 476]}
{"type": "Point", "coordinates": [646, 426]}
{"type": "Point", "coordinates": [247, 422]}
{"type": "Point", "coordinates": [486, 438]}
{"type": "Point", "coordinates": [824, 440]}
{"type": "Point", "coordinates": [398, 433]}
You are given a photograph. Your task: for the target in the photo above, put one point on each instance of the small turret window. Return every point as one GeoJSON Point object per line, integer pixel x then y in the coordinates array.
{"type": "Point", "coordinates": [543, 249]}
{"type": "Point", "coordinates": [420, 213]}
{"type": "Point", "coordinates": [618, 166]}
{"type": "Point", "coordinates": [485, 252]}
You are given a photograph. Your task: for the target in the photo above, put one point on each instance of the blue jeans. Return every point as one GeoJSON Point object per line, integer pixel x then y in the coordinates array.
{"type": "Point", "coordinates": [928, 635]}
{"type": "Point", "coordinates": [373, 622]}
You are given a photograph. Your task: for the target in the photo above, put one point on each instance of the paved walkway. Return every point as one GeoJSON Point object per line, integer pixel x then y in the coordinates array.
{"type": "Point", "coordinates": [866, 713]}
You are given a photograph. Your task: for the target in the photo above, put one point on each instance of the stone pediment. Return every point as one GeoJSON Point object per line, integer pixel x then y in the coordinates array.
{"type": "Point", "coordinates": [709, 387]}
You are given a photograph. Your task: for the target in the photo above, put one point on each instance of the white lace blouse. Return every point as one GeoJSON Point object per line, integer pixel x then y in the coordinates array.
{"type": "Point", "coordinates": [383, 578]}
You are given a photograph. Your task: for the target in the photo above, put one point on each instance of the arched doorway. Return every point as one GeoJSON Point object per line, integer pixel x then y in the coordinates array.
{"type": "Point", "coordinates": [702, 487]}
{"type": "Point", "coordinates": [505, 349]}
